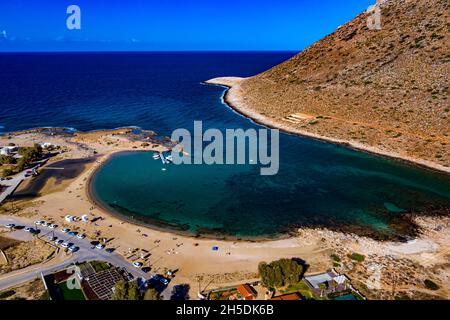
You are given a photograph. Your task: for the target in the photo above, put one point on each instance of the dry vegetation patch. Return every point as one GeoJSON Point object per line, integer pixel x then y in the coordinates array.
{"type": "Point", "coordinates": [23, 254]}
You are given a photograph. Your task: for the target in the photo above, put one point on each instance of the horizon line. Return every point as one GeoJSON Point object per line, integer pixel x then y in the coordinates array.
{"type": "Point", "coordinates": [140, 51]}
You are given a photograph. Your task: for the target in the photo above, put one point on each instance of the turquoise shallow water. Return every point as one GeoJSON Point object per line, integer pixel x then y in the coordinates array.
{"type": "Point", "coordinates": [327, 186]}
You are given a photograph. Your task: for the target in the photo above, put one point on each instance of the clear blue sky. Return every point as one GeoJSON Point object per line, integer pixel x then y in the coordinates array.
{"type": "Point", "coordinates": [40, 25]}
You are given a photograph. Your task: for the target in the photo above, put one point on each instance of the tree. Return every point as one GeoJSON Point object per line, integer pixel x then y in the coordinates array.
{"type": "Point", "coordinates": [133, 291]}
{"type": "Point", "coordinates": [31, 153]}
{"type": "Point", "coordinates": [322, 287]}
{"type": "Point", "coordinates": [151, 294]}
{"type": "Point", "coordinates": [21, 164]}
{"type": "Point", "coordinates": [7, 172]}
{"type": "Point", "coordinates": [7, 160]}
{"type": "Point", "coordinates": [280, 273]}
{"type": "Point", "coordinates": [120, 290]}
{"type": "Point", "coordinates": [124, 290]}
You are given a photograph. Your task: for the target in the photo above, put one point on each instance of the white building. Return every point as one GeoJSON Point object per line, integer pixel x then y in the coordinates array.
{"type": "Point", "coordinates": [46, 145]}
{"type": "Point", "coordinates": [6, 151]}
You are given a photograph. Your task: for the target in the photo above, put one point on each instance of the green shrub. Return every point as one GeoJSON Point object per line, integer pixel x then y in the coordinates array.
{"type": "Point", "coordinates": [7, 294]}
{"type": "Point", "coordinates": [7, 172]}
{"type": "Point", "coordinates": [124, 290]}
{"type": "Point", "coordinates": [335, 257]}
{"type": "Point", "coordinates": [431, 285]}
{"type": "Point", "coordinates": [357, 257]}
{"type": "Point", "coordinates": [100, 265]}
{"type": "Point", "coordinates": [7, 160]}
{"type": "Point", "coordinates": [151, 294]}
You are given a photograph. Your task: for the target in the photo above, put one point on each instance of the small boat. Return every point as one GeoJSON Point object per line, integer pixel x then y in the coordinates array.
{"type": "Point", "coordinates": [156, 156]}
{"type": "Point", "coordinates": [162, 157]}
{"type": "Point", "coordinates": [169, 159]}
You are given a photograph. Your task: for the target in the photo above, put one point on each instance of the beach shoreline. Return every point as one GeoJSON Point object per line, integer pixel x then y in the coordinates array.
{"type": "Point", "coordinates": [233, 99]}
{"type": "Point", "coordinates": [404, 225]}
{"type": "Point", "coordinates": [235, 261]}
{"type": "Point", "coordinates": [289, 232]}
{"type": "Point", "coordinates": [158, 225]}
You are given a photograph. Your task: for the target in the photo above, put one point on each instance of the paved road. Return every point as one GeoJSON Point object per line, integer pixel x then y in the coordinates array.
{"type": "Point", "coordinates": [11, 185]}
{"type": "Point", "coordinates": [86, 253]}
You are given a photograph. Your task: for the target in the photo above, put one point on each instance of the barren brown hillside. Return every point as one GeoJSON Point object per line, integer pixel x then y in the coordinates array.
{"type": "Point", "coordinates": [386, 89]}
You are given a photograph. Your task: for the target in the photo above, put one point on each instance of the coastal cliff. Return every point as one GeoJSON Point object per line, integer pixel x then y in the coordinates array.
{"type": "Point", "coordinates": [383, 91]}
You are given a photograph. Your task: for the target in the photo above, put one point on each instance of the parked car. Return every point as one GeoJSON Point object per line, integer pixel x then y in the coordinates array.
{"type": "Point", "coordinates": [74, 249]}
{"type": "Point", "coordinates": [59, 242]}
{"type": "Point", "coordinates": [81, 236]}
{"type": "Point", "coordinates": [53, 226]}
{"type": "Point", "coordinates": [28, 229]}
{"type": "Point", "coordinates": [65, 230]}
{"type": "Point", "coordinates": [51, 238]}
{"type": "Point", "coordinates": [40, 222]}
{"type": "Point", "coordinates": [161, 279]}
{"type": "Point", "coordinates": [137, 264]}
{"type": "Point", "coordinates": [10, 225]}
{"type": "Point", "coordinates": [72, 233]}
{"type": "Point", "coordinates": [65, 244]}
{"type": "Point", "coordinates": [100, 246]}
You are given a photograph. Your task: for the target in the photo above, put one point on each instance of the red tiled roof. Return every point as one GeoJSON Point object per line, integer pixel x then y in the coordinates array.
{"type": "Point", "coordinates": [290, 296]}
{"type": "Point", "coordinates": [245, 291]}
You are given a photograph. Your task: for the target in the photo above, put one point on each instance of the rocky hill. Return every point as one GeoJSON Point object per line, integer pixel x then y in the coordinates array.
{"type": "Point", "coordinates": [384, 90]}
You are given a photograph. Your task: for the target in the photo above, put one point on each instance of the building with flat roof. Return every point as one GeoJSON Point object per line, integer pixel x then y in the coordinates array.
{"type": "Point", "coordinates": [327, 282]}
{"type": "Point", "coordinates": [8, 150]}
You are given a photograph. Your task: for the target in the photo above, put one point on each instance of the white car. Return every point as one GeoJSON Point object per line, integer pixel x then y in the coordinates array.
{"type": "Point", "coordinates": [51, 238]}
{"type": "Point", "coordinates": [59, 242]}
{"type": "Point", "coordinates": [40, 222]}
{"type": "Point", "coordinates": [46, 224]}
{"type": "Point", "coordinates": [28, 229]}
{"type": "Point", "coordinates": [74, 249]}
{"type": "Point", "coordinates": [137, 264]}
{"type": "Point", "coordinates": [53, 226]}
{"type": "Point", "coordinates": [10, 225]}
{"type": "Point", "coordinates": [64, 245]}
{"type": "Point", "coordinates": [81, 236]}
{"type": "Point", "coordinates": [65, 230]}
{"type": "Point", "coordinates": [100, 246]}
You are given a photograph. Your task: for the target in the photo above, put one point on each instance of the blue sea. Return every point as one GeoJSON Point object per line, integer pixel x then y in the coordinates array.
{"type": "Point", "coordinates": [318, 184]}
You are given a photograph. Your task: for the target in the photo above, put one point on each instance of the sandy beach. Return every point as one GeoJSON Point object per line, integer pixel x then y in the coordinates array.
{"type": "Point", "coordinates": [235, 261]}
{"type": "Point", "coordinates": [236, 100]}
